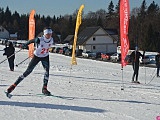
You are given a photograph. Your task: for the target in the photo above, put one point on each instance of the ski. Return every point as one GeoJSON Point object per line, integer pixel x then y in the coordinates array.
{"type": "Point", "coordinates": [62, 97]}
{"type": "Point", "coordinates": [42, 95]}
{"type": "Point", "coordinates": [8, 94]}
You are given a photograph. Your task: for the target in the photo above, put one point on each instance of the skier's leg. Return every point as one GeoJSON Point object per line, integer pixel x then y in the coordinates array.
{"type": "Point", "coordinates": [137, 72]}
{"type": "Point", "coordinates": [158, 70]}
{"type": "Point", "coordinates": [134, 73]}
{"type": "Point", "coordinates": [46, 65]}
{"type": "Point", "coordinates": [11, 63]}
{"type": "Point", "coordinates": [30, 68]}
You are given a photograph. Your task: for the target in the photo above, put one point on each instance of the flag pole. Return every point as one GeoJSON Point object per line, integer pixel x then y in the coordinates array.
{"type": "Point", "coordinates": [122, 87]}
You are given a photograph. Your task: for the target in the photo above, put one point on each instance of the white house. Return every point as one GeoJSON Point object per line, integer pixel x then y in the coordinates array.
{"type": "Point", "coordinates": [4, 34]}
{"type": "Point", "coordinates": [96, 39]}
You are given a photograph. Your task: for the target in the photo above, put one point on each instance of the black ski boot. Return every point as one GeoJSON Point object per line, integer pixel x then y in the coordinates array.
{"type": "Point", "coordinates": [9, 90]}
{"type": "Point", "coordinates": [45, 91]}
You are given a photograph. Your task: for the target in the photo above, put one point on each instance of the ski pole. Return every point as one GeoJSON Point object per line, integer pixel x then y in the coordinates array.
{"type": "Point", "coordinates": [10, 56]}
{"type": "Point", "coordinates": [122, 87]}
{"type": "Point", "coordinates": [151, 79]}
{"type": "Point", "coordinates": [153, 71]}
{"type": "Point", "coordinates": [153, 76]}
{"type": "Point", "coordinates": [22, 61]}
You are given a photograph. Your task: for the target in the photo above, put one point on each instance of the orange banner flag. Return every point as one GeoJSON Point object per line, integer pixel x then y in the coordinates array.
{"type": "Point", "coordinates": [31, 32]}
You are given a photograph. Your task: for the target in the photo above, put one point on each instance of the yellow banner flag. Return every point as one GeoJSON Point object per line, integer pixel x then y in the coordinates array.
{"type": "Point", "coordinates": [78, 23]}
{"type": "Point", "coordinates": [31, 32]}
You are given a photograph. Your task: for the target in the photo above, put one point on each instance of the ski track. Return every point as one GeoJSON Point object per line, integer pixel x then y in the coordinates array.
{"type": "Point", "coordinates": [95, 87]}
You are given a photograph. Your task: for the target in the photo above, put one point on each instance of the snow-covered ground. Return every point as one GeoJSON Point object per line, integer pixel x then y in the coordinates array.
{"type": "Point", "coordinates": [90, 90]}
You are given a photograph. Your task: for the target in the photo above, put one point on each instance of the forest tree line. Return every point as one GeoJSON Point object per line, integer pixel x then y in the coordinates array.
{"type": "Point", "coordinates": [144, 27]}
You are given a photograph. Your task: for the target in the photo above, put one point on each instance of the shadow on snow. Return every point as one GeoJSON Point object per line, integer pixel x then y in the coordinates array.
{"type": "Point", "coordinates": [51, 106]}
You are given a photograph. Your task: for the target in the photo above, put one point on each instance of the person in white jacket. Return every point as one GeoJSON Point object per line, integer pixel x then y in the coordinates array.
{"type": "Point", "coordinates": [41, 53]}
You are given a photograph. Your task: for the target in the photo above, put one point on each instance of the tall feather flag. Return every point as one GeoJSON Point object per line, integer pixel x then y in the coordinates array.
{"type": "Point", "coordinates": [78, 23]}
{"type": "Point", "coordinates": [31, 32]}
{"type": "Point", "coordinates": [124, 25]}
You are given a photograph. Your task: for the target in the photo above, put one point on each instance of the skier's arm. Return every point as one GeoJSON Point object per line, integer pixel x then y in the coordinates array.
{"type": "Point", "coordinates": [140, 54]}
{"type": "Point", "coordinates": [32, 41]}
{"type": "Point", "coordinates": [29, 42]}
{"type": "Point", "coordinates": [143, 56]}
{"type": "Point", "coordinates": [4, 51]}
{"type": "Point", "coordinates": [132, 56]}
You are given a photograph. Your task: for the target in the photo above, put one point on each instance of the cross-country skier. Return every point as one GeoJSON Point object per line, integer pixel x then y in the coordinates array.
{"type": "Point", "coordinates": [41, 53]}
{"type": "Point", "coordinates": [157, 58]}
{"type": "Point", "coordinates": [135, 56]}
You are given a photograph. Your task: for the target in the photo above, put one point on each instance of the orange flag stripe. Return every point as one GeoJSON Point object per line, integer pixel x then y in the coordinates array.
{"type": "Point", "coordinates": [31, 32]}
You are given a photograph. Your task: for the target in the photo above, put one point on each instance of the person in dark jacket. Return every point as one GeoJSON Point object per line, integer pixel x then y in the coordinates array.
{"type": "Point", "coordinates": [9, 52]}
{"type": "Point", "coordinates": [157, 58]}
{"type": "Point", "coordinates": [135, 56]}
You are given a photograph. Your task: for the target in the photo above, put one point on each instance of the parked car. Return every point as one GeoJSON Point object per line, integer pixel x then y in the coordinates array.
{"type": "Point", "coordinates": [79, 52]}
{"type": "Point", "coordinates": [3, 41]}
{"type": "Point", "coordinates": [115, 57]}
{"type": "Point", "coordinates": [148, 59]}
{"type": "Point", "coordinates": [105, 56]}
{"type": "Point", "coordinates": [88, 54]}
{"type": "Point", "coordinates": [64, 49]}
{"type": "Point", "coordinates": [58, 50]}
{"type": "Point", "coordinates": [68, 52]}
{"type": "Point", "coordinates": [51, 49]}
{"type": "Point", "coordinates": [98, 55]}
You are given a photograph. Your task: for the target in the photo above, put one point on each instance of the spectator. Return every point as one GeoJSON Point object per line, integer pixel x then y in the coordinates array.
{"type": "Point", "coordinates": [9, 52]}
{"type": "Point", "coordinates": [135, 56]}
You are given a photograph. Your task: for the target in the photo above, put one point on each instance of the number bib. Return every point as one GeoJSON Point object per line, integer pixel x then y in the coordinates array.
{"type": "Point", "coordinates": [42, 49]}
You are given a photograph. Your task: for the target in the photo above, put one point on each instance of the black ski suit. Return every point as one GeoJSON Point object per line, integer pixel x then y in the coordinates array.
{"type": "Point", "coordinates": [8, 51]}
{"type": "Point", "coordinates": [135, 55]}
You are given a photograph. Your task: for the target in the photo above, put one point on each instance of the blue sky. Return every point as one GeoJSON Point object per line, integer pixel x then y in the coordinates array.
{"type": "Point", "coordinates": [62, 7]}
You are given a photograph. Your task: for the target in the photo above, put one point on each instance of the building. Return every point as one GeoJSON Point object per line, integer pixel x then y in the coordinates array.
{"type": "Point", "coordinates": [69, 38]}
{"type": "Point", "coordinates": [96, 39]}
{"type": "Point", "coordinates": [4, 34]}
